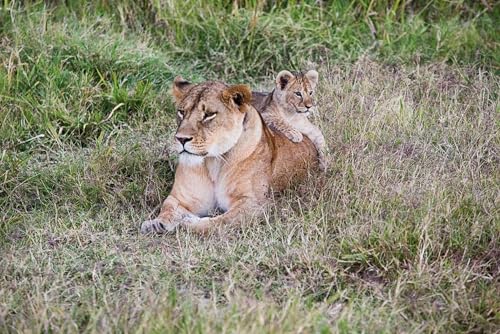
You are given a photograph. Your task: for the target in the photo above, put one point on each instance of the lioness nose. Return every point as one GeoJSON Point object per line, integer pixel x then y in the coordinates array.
{"type": "Point", "coordinates": [183, 140]}
{"type": "Point", "coordinates": [308, 105]}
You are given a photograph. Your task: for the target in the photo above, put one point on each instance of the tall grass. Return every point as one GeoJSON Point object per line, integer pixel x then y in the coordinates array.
{"type": "Point", "coordinates": [56, 56]}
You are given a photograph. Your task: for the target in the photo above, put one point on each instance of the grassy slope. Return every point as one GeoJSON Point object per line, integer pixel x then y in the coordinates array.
{"type": "Point", "coordinates": [400, 235]}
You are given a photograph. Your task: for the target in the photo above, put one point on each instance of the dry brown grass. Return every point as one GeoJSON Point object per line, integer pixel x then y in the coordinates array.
{"type": "Point", "coordinates": [401, 235]}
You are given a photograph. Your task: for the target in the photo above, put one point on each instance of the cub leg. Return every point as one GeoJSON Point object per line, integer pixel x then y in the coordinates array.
{"type": "Point", "coordinates": [278, 123]}
{"type": "Point", "coordinates": [316, 136]}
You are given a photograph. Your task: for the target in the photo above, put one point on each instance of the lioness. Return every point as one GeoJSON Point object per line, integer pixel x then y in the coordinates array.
{"type": "Point", "coordinates": [228, 158]}
{"type": "Point", "coordinates": [287, 107]}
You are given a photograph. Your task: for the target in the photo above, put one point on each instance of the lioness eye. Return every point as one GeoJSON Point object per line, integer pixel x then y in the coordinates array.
{"type": "Point", "coordinates": [299, 94]}
{"type": "Point", "coordinates": [209, 115]}
{"type": "Point", "coordinates": [311, 93]}
{"type": "Point", "coordinates": [180, 113]}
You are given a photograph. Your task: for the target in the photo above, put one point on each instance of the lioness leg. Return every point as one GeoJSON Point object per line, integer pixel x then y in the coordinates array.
{"type": "Point", "coordinates": [240, 210]}
{"type": "Point", "coordinates": [171, 215]}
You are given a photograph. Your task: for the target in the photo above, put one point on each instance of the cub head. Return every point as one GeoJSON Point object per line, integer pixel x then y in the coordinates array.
{"type": "Point", "coordinates": [294, 92]}
{"type": "Point", "coordinates": [210, 118]}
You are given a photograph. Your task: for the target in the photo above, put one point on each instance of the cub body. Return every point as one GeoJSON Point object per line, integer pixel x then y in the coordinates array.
{"type": "Point", "coordinates": [287, 107]}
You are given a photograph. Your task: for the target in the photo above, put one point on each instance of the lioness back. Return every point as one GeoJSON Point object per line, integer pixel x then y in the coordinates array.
{"type": "Point", "coordinates": [259, 100]}
{"type": "Point", "coordinates": [303, 157]}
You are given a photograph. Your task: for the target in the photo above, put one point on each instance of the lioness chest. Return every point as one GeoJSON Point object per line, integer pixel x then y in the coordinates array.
{"type": "Point", "coordinates": [221, 185]}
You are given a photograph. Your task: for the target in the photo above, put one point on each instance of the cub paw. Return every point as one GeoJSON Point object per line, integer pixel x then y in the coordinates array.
{"type": "Point", "coordinates": [157, 226]}
{"type": "Point", "coordinates": [294, 136]}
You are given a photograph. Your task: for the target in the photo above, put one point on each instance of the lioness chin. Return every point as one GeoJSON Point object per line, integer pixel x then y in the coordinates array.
{"type": "Point", "coordinates": [228, 158]}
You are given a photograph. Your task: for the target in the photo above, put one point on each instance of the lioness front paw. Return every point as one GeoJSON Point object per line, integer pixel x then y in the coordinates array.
{"type": "Point", "coordinates": [197, 224]}
{"type": "Point", "coordinates": [294, 136]}
{"type": "Point", "coordinates": [189, 219]}
{"type": "Point", "coordinates": [157, 226]}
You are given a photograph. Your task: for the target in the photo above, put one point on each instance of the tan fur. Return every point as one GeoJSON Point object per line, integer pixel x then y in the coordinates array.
{"type": "Point", "coordinates": [234, 159]}
{"type": "Point", "coordinates": [287, 112]}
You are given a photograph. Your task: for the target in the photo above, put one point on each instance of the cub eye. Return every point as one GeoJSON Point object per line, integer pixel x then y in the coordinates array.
{"type": "Point", "coordinates": [209, 115]}
{"type": "Point", "coordinates": [180, 113]}
{"type": "Point", "coordinates": [311, 93]}
{"type": "Point", "coordinates": [299, 94]}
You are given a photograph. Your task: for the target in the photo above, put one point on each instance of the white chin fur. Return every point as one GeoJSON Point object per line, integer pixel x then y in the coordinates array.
{"type": "Point", "coordinates": [177, 147]}
{"type": "Point", "coordinates": [190, 160]}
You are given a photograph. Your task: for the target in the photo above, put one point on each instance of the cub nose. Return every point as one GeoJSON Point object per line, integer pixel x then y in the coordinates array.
{"type": "Point", "coordinates": [308, 106]}
{"type": "Point", "coordinates": [183, 140]}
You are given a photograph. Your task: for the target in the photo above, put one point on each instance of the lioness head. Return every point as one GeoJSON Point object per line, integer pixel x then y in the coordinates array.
{"type": "Point", "coordinates": [210, 118]}
{"type": "Point", "coordinates": [294, 92]}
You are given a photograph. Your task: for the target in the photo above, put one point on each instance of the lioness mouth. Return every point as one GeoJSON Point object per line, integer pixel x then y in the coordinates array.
{"type": "Point", "coordinates": [199, 155]}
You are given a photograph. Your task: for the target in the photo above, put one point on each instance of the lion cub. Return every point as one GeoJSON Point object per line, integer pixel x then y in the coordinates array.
{"type": "Point", "coordinates": [287, 107]}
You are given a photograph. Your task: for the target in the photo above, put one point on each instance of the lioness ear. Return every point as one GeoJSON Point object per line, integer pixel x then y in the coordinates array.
{"type": "Point", "coordinates": [240, 95]}
{"type": "Point", "coordinates": [283, 79]}
{"type": "Point", "coordinates": [312, 76]}
{"type": "Point", "coordinates": [180, 88]}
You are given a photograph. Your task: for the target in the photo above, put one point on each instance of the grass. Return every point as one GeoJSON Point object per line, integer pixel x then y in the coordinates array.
{"type": "Point", "coordinates": [401, 235]}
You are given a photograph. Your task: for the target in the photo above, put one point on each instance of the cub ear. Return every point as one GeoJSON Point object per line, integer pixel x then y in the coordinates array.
{"type": "Point", "coordinates": [180, 88]}
{"type": "Point", "coordinates": [240, 95]}
{"type": "Point", "coordinates": [283, 78]}
{"type": "Point", "coordinates": [312, 76]}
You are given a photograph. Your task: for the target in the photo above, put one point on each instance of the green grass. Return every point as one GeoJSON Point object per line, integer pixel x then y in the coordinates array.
{"type": "Point", "coordinates": [401, 235]}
